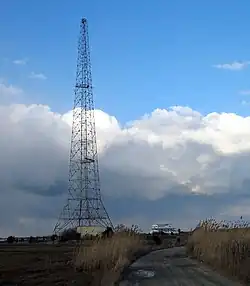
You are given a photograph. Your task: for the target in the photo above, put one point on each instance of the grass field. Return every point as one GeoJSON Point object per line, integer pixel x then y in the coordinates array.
{"type": "Point", "coordinates": [227, 249]}
{"type": "Point", "coordinates": [99, 262]}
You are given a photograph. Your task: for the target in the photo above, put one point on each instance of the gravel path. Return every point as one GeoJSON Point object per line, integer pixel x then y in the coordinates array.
{"type": "Point", "coordinates": [172, 267]}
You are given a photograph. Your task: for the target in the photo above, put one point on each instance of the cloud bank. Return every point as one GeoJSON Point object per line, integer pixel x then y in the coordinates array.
{"type": "Point", "coordinates": [172, 164]}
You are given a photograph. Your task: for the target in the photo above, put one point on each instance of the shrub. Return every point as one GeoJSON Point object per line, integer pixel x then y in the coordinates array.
{"type": "Point", "coordinates": [11, 239]}
{"type": "Point", "coordinates": [133, 229]}
{"type": "Point", "coordinates": [53, 237]}
{"type": "Point", "coordinates": [157, 239]}
{"type": "Point", "coordinates": [70, 234]}
{"type": "Point", "coordinates": [108, 232]}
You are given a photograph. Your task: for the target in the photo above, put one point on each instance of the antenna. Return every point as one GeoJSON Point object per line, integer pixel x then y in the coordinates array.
{"type": "Point", "coordinates": [84, 206]}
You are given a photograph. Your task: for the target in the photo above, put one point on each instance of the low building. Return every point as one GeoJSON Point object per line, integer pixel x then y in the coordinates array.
{"type": "Point", "coordinates": [163, 228]}
{"type": "Point", "coordinates": [90, 230]}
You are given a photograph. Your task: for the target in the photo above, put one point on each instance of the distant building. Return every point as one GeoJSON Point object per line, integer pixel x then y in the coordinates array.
{"type": "Point", "coordinates": [165, 228]}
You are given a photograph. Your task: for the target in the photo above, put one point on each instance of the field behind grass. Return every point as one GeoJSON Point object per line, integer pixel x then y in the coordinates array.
{"type": "Point", "coordinates": [37, 264]}
{"type": "Point", "coordinates": [96, 262]}
{"type": "Point", "coordinates": [223, 246]}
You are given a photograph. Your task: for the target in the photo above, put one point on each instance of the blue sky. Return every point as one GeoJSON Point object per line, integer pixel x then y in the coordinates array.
{"type": "Point", "coordinates": [145, 54]}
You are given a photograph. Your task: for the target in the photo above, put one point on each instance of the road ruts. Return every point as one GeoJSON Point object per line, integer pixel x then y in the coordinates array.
{"type": "Point", "coordinates": [172, 267]}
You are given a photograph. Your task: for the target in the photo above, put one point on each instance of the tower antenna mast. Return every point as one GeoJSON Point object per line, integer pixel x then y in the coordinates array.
{"type": "Point", "coordinates": [84, 205]}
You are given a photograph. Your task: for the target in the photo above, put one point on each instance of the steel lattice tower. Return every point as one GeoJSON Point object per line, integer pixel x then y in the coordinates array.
{"type": "Point", "coordinates": [84, 205]}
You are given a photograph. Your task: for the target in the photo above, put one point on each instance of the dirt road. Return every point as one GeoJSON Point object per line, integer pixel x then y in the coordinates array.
{"type": "Point", "coordinates": [172, 267]}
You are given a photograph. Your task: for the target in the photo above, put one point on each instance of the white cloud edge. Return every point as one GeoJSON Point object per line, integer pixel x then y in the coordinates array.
{"type": "Point", "coordinates": [23, 61]}
{"type": "Point", "coordinates": [245, 92]}
{"type": "Point", "coordinates": [40, 76]}
{"type": "Point", "coordinates": [234, 66]}
{"type": "Point", "coordinates": [8, 90]}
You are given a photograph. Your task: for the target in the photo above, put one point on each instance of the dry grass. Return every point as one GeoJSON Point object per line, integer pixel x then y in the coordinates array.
{"type": "Point", "coordinates": [105, 260]}
{"type": "Point", "coordinates": [224, 246]}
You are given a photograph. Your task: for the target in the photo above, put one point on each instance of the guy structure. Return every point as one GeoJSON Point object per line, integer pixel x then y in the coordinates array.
{"type": "Point", "coordinates": [84, 207]}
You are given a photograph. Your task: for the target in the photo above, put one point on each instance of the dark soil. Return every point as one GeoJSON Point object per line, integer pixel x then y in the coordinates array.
{"type": "Point", "coordinates": [39, 264]}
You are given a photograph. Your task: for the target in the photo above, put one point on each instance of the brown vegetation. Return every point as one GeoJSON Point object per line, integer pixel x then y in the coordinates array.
{"type": "Point", "coordinates": [105, 259]}
{"type": "Point", "coordinates": [224, 246]}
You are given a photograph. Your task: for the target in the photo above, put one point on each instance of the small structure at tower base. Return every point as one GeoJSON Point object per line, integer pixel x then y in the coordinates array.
{"type": "Point", "coordinates": [90, 230]}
